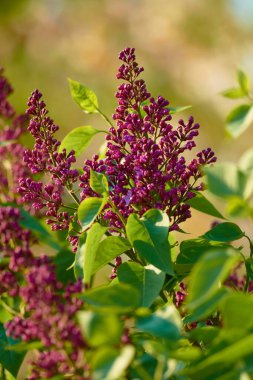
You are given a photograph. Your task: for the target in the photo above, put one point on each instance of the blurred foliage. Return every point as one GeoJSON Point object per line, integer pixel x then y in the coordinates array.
{"type": "Point", "coordinates": [190, 52]}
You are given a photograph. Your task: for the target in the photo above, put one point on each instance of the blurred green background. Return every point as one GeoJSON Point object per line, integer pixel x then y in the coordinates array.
{"type": "Point", "coordinates": [190, 50]}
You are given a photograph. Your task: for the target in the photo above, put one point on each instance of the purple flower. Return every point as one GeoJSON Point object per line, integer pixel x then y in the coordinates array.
{"type": "Point", "coordinates": [145, 162]}
{"type": "Point", "coordinates": [45, 158]}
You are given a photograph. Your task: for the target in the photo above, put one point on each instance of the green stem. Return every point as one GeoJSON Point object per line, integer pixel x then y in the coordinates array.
{"type": "Point", "coordinates": [246, 286]}
{"type": "Point", "coordinates": [117, 213]}
{"type": "Point", "coordinates": [105, 118]}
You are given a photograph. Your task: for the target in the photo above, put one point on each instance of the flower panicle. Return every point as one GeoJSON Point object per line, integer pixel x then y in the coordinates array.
{"type": "Point", "coordinates": [145, 159]}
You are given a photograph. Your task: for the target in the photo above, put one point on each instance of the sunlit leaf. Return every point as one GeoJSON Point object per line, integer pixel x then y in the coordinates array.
{"type": "Point", "coordinates": [200, 203]}
{"type": "Point", "coordinates": [208, 274]}
{"type": "Point", "coordinates": [84, 97]}
{"type": "Point", "coordinates": [98, 182]}
{"type": "Point", "coordinates": [78, 139]}
{"type": "Point", "coordinates": [148, 280]}
{"type": "Point", "coordinates": [239, 119]}
{"type": "Point", "coordinates": [224, 232]}
{"type": "Point", "coordinates": [89, 209]}
{"type": "Point", "coordinates": [233, 93]}
{"type": "Point", "coordinates": [244, 81]}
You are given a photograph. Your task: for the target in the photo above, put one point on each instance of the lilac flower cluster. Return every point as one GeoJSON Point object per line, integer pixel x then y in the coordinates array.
{"type": "Point", "coordinates": [45, 158]}
{"type": "Point", "coordinates": [6, 109]}
{"type": "Point", "coordinates": [145, 161]}
{"type": "Point", "coordinates": [50, 320]}
{"type": "Point", "coordinates": [12, 166]}
{"type": "Point", "coordinates": [50, 309]}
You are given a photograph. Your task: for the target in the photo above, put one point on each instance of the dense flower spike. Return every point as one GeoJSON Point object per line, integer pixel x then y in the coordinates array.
{"type": "Point", "coordinates": [145, 160]}
{"type": "Point", "coordinates": [12, 166]}
{"type": "Point", "coordinates": [50, 320]}
{"type": "Point", "coordinates": [49, 314]}
{"type": "Point", "coordinates": [45, 158]}
{"type": "Point", "coordinates": [6, 110]}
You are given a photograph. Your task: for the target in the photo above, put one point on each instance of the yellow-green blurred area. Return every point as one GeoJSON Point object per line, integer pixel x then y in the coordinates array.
{"type": "Point", "coordinates": [190, 50]}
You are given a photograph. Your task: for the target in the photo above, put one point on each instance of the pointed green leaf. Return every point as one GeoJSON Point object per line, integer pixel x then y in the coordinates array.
{"type": "Point", "coordinates": [191, 251]}
{"type": "Point", "coordinates": [78, 263]}
{"type": "Point", "coordinates": [89, 249]}
{"type": "Point", "coordinates": [233, 93]}
{"type": "Point", "coordinates": [246, 161]}
{"type": "Point", "coordinates": [149, 280]}
{"type": "Point", "coordinates": [118, 298]}
{"type": "Point", "coordinates": [84, 97]}
{"type": "Point", "coordinates": [8, 358]}
{"type": "Point", "coordinates": [224, 232]}
{"type": "Point", "coordinates": [236, 309]}
{"type": "Point", "coordinates": [200, 203]}
{"type": "Point", "coordinates": [100, 328]}
{"type": "Point", "coordinates": [108, 249]}
{"type": "Point", "coordinates": [149, 236]}
{"type": "Point", "coordinates": [244, 81]}
{"type": "Point", "coordinates": [110, 363]}
{"type": "Point", "coordinates": [36, 226]}
{"type": "Point", "coordinates": [89, 209]}
{"type": "Point", "coordinates": [239, 119]}
{"type": "Point", "coordinates": [98, 182]}
{"type": "Point", "coordinates": [229, 355]}
{"type": "Point", "coordinates": [208, 307]}
{"type": "Point", "coordinates": [62, 261]}
{"type": "Point", "coordinates": [164, 323]}
{"type": "Point", "coordinates": [208, 274]}
{"type": "Point", "coordinates": [78, 139]}
{"type": "Point", "coordinates": [178, 109]}
{"type": "Point", "coordinates": [225, 180]}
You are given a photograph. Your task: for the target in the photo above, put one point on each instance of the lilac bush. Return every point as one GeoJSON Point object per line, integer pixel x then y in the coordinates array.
{"type": "Point", "coordinates": [164, 311]}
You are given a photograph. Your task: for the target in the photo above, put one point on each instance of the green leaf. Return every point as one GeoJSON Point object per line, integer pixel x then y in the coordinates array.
{"type": "Point", "coordinates": [110, 364]}
{"type": "Point", "coordinates": [79, 256]}
{"type": "Point", "coordinates": [178, 109]}
{"type": "Point", "coordinates": [233, 93]}
{"type": "Point", "coordinates": [164, 323]}
{"type": "Point", "coordinates": [205, 334]}
{"type": "Point", "coordinates": [100, 328]}
{"type": "Point", "coordinates": [78, 139]}
{"type": "Point", "coordinates": [118, 298]}
{"type": "Point", "coordinates": [62, 261]}
{"type": "Point", "coordinates": [149, 236]}
{"type": "Point", "coordinates": [228, 355]}
{"type": "Point", "coordinates": [89, 249]}
{"type": "Point", "coordinates": [236, 309]}
{"type": "Point", "coordinates": [148, 280]}
{"type": "Point", "coordinates": [33, 224]}
{"type": "Point", "coordinates": [244, 81]}
{"type": "Point", "coordinates": [208, 274]}
{"type": "Point", "coordinates": [191, 251]}
{"type": "Point", "coordinates": [239, 119]}
{"type": "Point", "coordinates": [225, 180]}
{"type": "Point", "coordinates": [108, 249]}
{"type": "Point", "coordinates": [249, 267]}
{"type": "Point", "coordinates": [200, 203]}
{"type": "Point", "coordinates": [89, 209]}
{"type": "Point", "coordinates": [207, 308]}
{"type": "Point", "coordinates": [84, 97]}
{"type": "Point", "coordinates": [5, 315]}
{"type": "Point", "coordinates": [246, 161]}
{"type": "Point", "coordinates": [224, 232]}
{"type": "Point", "coordinates": [98, 182]}
{"type": "Point", "coordinates": [237, 207]}
{"type": "Point", "coordinates": [8, 358]}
